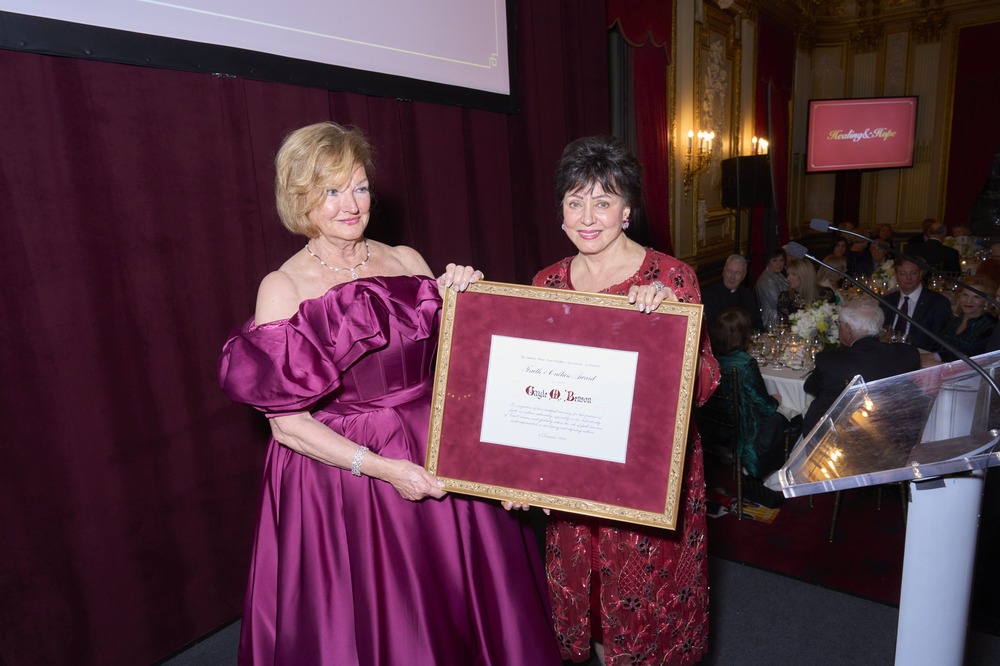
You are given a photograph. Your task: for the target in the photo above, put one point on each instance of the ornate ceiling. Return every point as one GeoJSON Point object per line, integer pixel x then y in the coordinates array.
{"type": "Point", "coordinates": [864, 22]}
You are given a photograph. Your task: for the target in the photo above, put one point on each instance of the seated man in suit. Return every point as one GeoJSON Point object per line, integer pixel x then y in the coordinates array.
{"type": "Point", "coordinates": [936, 253]}
{"type": "Point", "coordinates": [730, 292]}
{"type": "Point", "coordinates": [928, 308]}
{"type": "Point", "coordinates": [861, 354]}
{"type": "Point", "coordinates": [917, 239]}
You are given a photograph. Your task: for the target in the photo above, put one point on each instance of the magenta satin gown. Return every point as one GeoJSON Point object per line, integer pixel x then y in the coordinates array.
{"type": "Point", "coordinates": [345, 571]}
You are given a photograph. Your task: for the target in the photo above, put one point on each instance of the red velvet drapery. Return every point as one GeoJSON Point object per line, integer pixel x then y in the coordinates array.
{"type": "Point", "coordinates": [975, 133]}
{"type": "Point", "coordinates": [775, 79]}
{"type": "Point", "coordinates": [137, 221]}
{"type": "Point", "coordinates": [642, 20]}
{"type": "Point", "coordinates": [646, 26]}
{"type": "Point", "coordinates": [650, 80]}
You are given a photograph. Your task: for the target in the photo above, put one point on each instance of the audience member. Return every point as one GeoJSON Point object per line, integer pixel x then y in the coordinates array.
{"type": "Point", "coordinates": [962, 240]}
{"type": "Point", "coordinates": [730, 292]}
{"type": "Point", "coordinates": [760, 440]}
{"type": "Point", "coordinates": [938, 255]}
{"type": "Point", "coordinates": [770, 283]}
{"type": "Point", "coordinates": [875, 259]}
{"type": "Point", "coordinates": [829, 282]}
{"type": "Point", "coordinates": [841, 248]}
{"type": "Point", "coordinates": [862, 354]}
{"type": "Point", "coordinates": [860, 258]}
{"type": "Point", "coordinates": [857, 244]}
{"type": "Point", "coordinates": [930, 309]}
{"type": "Point", "coordinates": [917, 239]}
{"type": "Point", "coordinates": [971, 327]}
{"type": "Point", "coordinates": [801, 292]}
{"type": "Point", "coordinates": [884, 235]}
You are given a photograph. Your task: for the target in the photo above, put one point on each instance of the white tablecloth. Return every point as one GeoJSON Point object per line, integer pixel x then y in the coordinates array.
{"type": "Point", "coordinates": [790, 385]}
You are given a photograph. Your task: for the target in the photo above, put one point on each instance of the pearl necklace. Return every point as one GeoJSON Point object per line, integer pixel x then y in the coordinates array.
{"type": "Point", "coordinates": [335, 269]}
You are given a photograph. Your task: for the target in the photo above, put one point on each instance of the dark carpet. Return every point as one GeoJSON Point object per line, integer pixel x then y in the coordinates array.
{"type": "Point", "coordinates": [865, 558]}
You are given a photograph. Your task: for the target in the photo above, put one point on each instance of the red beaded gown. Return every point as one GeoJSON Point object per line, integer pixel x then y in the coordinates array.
{"type": "Point", "coordinates": [345, 571]}
{"type": "Point", "coordinates": [648, 602]}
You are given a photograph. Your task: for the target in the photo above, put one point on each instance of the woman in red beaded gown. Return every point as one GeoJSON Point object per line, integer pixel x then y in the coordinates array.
{"type": "Point", "coordinates": [639, 594]}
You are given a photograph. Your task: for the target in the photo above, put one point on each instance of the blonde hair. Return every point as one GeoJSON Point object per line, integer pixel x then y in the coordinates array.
{"type": "Point", "coordinates": [983, 283]}
{"type": "Point", "coordinates": [828, 278]}
{"type": "Point", "coordinates": [807, 279]}
{"type": "Point", "coordinates": [309, 160]}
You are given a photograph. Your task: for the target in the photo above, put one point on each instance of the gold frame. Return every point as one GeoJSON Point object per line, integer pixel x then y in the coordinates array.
{"type": "Point", "coordinates": [533, 302]}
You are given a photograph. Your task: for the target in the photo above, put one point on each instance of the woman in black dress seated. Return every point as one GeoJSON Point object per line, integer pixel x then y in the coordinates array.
{"type": "Point", "coordinates": [802, 290]}
{"type": "Point", "coordinates": [760, 443]}
{"type": "Point", "coordinates": [971, 326]}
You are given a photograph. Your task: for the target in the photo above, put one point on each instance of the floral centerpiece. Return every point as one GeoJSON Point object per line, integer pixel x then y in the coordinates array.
{"type": "Point", "coordinates": [884, 277]}
{"type": "Point", "coordinates": [817, 322]}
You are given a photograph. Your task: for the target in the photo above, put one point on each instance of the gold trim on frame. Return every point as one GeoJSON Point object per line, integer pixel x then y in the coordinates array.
{"type": "Point", "coordinates": [581, 505]}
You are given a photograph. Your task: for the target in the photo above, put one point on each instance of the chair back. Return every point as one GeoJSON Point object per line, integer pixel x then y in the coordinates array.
{"type": "Point", "coordinates": [719, 426]}
{"type": "Point", "coordinates": [719, 418]}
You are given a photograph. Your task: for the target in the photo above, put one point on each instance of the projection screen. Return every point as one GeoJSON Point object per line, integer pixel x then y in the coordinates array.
{"type": "Point", "coordinates": [449, 51]}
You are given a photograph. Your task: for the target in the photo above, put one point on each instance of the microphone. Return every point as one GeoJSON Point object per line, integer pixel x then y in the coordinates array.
{"type": "Point", "coordinates": [823, 225]}
{"type": "Point", "coordinates": [800, 251]}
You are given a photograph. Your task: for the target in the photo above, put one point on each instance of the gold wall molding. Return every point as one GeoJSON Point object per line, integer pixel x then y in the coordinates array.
{"type": "Point", "coordinates": [928, 29]}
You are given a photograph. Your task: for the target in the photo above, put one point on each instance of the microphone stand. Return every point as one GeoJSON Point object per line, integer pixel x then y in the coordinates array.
{"type": "Point", "coordinates": [822, 225]}
{"type": "Point", "coordinates": [799, 251]}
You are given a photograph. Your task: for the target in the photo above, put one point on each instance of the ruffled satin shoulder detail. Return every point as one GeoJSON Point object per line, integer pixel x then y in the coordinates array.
{"type": "Point", "coordinates": [286, 366]}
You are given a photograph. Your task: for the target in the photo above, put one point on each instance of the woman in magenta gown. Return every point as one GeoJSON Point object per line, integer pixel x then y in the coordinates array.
{"type": "Point", "coordinates": [639, 594]}
{"type": "Point", "coordinates": [359, 557]}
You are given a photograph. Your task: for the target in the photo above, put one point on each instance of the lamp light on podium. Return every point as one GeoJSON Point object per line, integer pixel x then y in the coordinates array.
{"type": "Point", "coordinates": [697, 162]}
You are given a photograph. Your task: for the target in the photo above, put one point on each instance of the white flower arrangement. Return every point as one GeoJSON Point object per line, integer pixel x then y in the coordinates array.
{"type": "Point", "coordinates": [817, 322]}
{"type": "Point", "coordinates": [884, 277]}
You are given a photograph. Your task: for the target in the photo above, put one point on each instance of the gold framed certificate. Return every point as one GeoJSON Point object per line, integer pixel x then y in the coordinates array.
{"type": "Point", "coordinates": [567, 400]}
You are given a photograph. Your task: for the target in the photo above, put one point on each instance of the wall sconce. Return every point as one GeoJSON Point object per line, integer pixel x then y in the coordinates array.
{"type": "Point", "coordinates": [759, 146]}
{"type": "Point", "coordinates": [697, 162]}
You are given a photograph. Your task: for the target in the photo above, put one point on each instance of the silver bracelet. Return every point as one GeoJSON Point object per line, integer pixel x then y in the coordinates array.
{"type": "Point", "coordinates": [359, 455]}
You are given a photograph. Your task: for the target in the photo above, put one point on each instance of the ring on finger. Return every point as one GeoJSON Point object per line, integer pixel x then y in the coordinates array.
{"type": "Point", "coordinates": [659, 286]}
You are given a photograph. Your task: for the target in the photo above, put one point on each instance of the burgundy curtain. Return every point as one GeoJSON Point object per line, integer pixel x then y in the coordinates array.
{"type": "Point", "coordinates": [975, 133]}
{"type": "Point", "coordinates": [650, 80]}
{"type": "Point", "coordinates": [642, 20]}
{"type": "Point", "coordinates": [775, 80]}
{"type": "Point", "coordinates": [137, 221]}
{"type": "Point", "coordinates": [646, 25]}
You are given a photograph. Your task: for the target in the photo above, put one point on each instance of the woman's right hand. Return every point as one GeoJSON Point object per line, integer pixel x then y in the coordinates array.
{"type": "Point", "coordinates": [304, 434]}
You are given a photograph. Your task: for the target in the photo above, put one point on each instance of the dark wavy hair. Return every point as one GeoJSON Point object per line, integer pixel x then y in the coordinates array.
{"type": "Point", "coordinates": [590, 160]}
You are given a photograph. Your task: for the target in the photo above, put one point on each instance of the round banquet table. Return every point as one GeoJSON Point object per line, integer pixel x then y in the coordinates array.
{"type": "Point", "coordinates": [790, 385]}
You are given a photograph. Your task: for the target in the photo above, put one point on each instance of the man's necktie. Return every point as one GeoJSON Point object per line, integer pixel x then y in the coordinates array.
{"type": "Point", "coordinates": [901, 323]}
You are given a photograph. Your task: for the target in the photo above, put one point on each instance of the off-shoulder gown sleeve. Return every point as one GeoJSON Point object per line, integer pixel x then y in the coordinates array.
{"type": "Point", "coordinates": [344, 570]}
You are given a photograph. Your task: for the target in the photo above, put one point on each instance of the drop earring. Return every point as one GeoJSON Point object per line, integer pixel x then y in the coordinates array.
{"type": "Point", "coordinates": [625, 223]}
{"type": "Point", "coordinates": [564, 227]}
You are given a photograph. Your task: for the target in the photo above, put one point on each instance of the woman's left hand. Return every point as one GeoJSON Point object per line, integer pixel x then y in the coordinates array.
{"type": "Point", "coordinates": [510, 505]}
{"type": "Point", "coordinates": [649, 296]}
{"type": "Point", "coordinates": [458, 277]}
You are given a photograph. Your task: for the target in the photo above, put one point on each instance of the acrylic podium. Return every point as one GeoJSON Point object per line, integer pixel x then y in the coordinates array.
{"type": "Point", "coordinates": [937, 429]}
